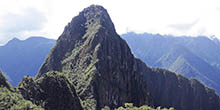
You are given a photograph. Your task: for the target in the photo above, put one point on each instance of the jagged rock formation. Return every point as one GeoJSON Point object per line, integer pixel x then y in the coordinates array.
{"type": "Point", "coordinates": [52, 91]}
{"type": "Point", "coordinates": [169, 89]}
{"type": "Point", "coordinates": [105, 73]}
{"type": "Point", "coordinates": [130, 106]}
{"type": "Point", "coordinates": [92, 53]}
{"type": "Point", "coordinates": [11, 100]}
{"type": "Point", "coordinates": [3, 81]}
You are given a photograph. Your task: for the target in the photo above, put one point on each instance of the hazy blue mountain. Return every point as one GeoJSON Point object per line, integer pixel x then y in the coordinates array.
{"type": "Point", "coordinates": [91, 67]}
{"type": "Point", "coordinates": [104, 72]}
{"type": "Point", "coordinates": [23, 57]}
{"type": "Point", "coordinates": [205, 48]}
{"type": "Point", "coordinates": [194, 57]}
{"type": "Point", "coordinates": [217, 41]}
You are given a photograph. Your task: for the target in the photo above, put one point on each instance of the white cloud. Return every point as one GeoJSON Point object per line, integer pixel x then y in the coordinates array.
{"type": "Point", "coordinates": [184, 27]}
{"type": "Point", "coordinates": [21, 24]}
{"type": "Point", "coordinates": [189, 17]}
{"type": "Point", "coordinates": [30, 20]}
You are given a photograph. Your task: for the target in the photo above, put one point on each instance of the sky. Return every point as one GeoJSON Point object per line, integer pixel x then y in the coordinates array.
{"type": "Point", "coordinates": [25, 18]}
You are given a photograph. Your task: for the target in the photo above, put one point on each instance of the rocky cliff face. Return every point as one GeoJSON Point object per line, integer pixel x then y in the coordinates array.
{"type": "Point", "coordinates": [168, 89]}
{"type": "Point", "coordinates": [97, 60]}
{"type": "Point", "coordinates": [105, 73]}
{"type": "Point", "coordinates": [10, 99]}
{"type": "Point", "coordinates": [52, 91]}
{"type": "Point", "coordinates": [3, 81]}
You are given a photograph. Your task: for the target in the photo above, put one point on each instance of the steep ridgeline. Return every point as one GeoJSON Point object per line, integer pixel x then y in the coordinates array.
{"type": "Point", "coordinates": [194, 57]}
{"type": "Point", "coordinates": [92, 53]}
{"type": "Point", "coordinates": [4, 81]}
{"type": "Point", "coordinates": [105, 73]}
{"type": "Point", "coordinates": [24, 57]}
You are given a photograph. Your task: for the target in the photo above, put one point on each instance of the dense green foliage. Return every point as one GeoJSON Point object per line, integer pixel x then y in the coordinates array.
{"type": "Point", "coordinates": [104, 72]}
{"type": "Point", "coordinates": [13, 101]}
{"type": "Point", "coordinates": [130, 106]}
{"type": "Point", "coordinates": [52, 91]}
{"type": "Point", "coordinates": [91, 68]}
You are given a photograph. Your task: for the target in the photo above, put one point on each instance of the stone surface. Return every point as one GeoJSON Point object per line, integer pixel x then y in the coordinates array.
{"type": "Point", "coordinates": [105, 73]}
{"type": "Point", "coordinates": [52, 91]}
{"type": "Point", "coordinates": [4, 81]}
{"type": "Point", "coordinates": [10, 99]}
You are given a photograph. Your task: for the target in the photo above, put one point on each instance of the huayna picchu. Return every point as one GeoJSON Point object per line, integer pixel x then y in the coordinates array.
{"type": "Point", "coordinates": [91, 67]}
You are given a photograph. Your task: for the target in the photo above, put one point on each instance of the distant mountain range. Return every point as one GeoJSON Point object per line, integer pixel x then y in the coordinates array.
{"type": "Point", "coordinates": [19, 58]}
{"type": "Point", "coordinates": [194, 57]}
{"type": "Point", "coordinates": [92, 68]}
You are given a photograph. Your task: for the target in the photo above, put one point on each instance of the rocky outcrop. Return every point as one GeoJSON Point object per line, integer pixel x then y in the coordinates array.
{"type": "Point", "coordinates": [52, 91]}
{"type": "Point", "coordinates": [105, 73]}
{"type": "Point", "coordinates": [4, 81]}
{"type": "Point", "coordinates": [10, 99]}
{"type": "Point", "coordinates": [98, 61]}
{"type": "Point", "coordinates": [170, 90]}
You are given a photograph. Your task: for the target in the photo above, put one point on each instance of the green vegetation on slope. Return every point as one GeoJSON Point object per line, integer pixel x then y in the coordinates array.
{"type": "Point", "coordinates": [13, 101]}
{"type": "Point", "coordinates": [97, 68]}
{"type": "Point", "coordinates": [105, 73]}
{"type": "Point", "coordinates": [53, 91]}
{"type": "Point", "coordinates": [4, 81]}
{"type": "Point", "coordinates": [130, 106]}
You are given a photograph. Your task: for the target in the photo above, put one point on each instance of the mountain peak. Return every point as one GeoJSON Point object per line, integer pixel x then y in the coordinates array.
{"type": "Point", "coordinates": [94, 10]}
{"type": "Point", "coordinates": [90, 51]}
{"type": "Point", "coordinates": [100, 65]}
{"type": "Point", "coordinates": [96, 13]}
{"type": "Point", "coordinates": [90, 19]}
{"type": "Point", "coordinates": [14, 40]}
{"type": "Point", "coordinates": [86, 32]}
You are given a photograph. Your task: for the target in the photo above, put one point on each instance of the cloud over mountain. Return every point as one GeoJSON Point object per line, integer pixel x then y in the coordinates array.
{"type": "Point", "coordinates": [20, 24]}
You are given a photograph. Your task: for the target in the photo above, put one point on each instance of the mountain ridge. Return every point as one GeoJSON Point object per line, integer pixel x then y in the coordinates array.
{"type": "Point", "coordinates": [163, 51]}
{"type": "Point", "coordinates": [92, 67]}
{"type": "Point", "coordinates": [104, 72]}
{"type": "Point", "coordinates": [24, 56]}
